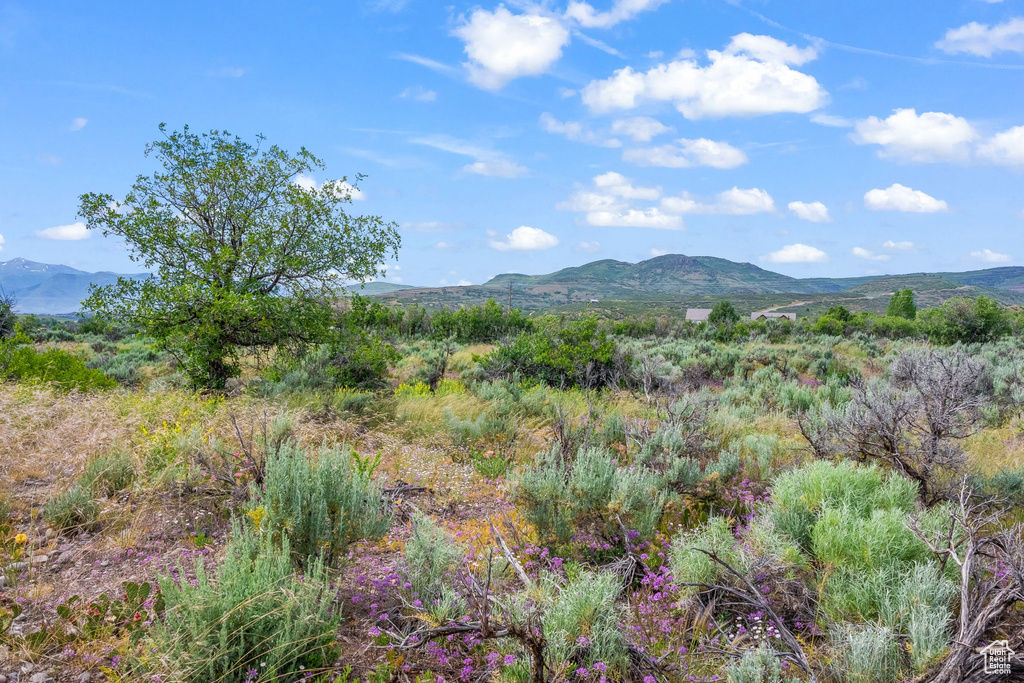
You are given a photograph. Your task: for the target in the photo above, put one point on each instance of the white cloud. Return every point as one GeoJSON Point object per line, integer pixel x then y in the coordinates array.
{"type": "Point", "coordinates": [901, 198]}
{"type": "Point", "coordinates": [78, 123]}
{"type": "Point", "coordinates": [566, 93]}
{"type": "Point", "coordinates": [984, 40]}
{"type": "Point", "coordinates": [688, 153]}
{"type": "Point", "coordinates": [461, 283]}
{"type": "Point", "coordinates": [339, 187]}
{"type": "Point", "coordinates": [735, 202]}
{"type": "Point", "coordinates": [525, 238]}
{"type": "Point", "coordinates": [576, 131]}
{"type": "Point", "coordinates": [446, 246]}
{"type": "Point", "coordinates": [989, 256]}
{"type": "Point", "coordinates": [621, 186]}
{"type": "Point", "coordinates": [898, 246]}
{"type": "Point", "coordinates": [71, 233]}
{"type": "Point", "coordinates": [1006, 148]}
{"type": "Point", "coordinates": [815, 212]}
{"type": "Point", "coordinates": [431, 64]}
{"type": "Point", "coordinates": [589, 247]}
{"type": "Point", "coordinates": [502, 46]}
{"type": "Point", "coordinates": [634, 218]}
{"type": "Point", "coordinates": [488, 162]}
{"type": "Point", "coordinates": [418, 93]}
{"type": "Point", "coordinates": [640, 128]}
{"type": "Point", "coordinates": [750, 77]}
{"type": "Point", "coordinates": [499, 168]}
{"type": "Point", "coordinates": [622, 10]}
{"type": "Point", "coordinates": [2, 240]}
{"type": "Point", "coordinates": [609, 205]}
{"type": "Point", "coordinates": [796, 253]}
{"type": "Point", "coordinates": [832, 121]}
{"type": "Point", "coordinates": [860, 252]}
{"type": "Point", "coordinates": [655, 252]}
{"type": "Point", "coordinates": [905, 135]}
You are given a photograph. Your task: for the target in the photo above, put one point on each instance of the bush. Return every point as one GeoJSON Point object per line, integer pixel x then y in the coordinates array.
{"type": "Point", "coordinates": [73, 509]}
{"type": "Point", "coordinates": [319, 504]}
{"type": "Point", "coordinates": [257, 615]}
{"type": "Point", "coordinates": [108, 474]}
{"type": "Point", "coordinates": [590, 492]}
{"type": "Point", "coordinates": [430, 557]}
{"type": "Point", "coordinates": [577, 354]}
{"type": "Point", "coordinates": [124, 367]}
{"type": "Point", "coordinates": [22, 363]}
{"type": "Point", "coordinates": [756, 666]}
{"type": "Point", "coordinates": [581, 625]}
{"type": "Point", "coordinates": [867, 654]}
{"type": "Point", "coordinates": [476, 324]}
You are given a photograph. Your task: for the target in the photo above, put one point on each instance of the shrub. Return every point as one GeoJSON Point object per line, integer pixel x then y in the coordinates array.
{"type": "Point", "coordinates": [22, 363]}
{"type": "Point", "coordinates": [756, 666]}
{"type": "Point", "coordinates": [581, 624]}
{"type": "Point", "coordinates": [124, 367]}
{"type": "Point", "coordinates": [475, 324]}
{"type": "Point", "coordinates": [578, 353]}
{"type": "Point", "coordinates": [430, 556]}
{"type": "Point", "coordinates": [108, 474]}
{"type": "Point", "coordinates": [867, 654]}
{"type": "Point", "coordinates": [73, 509]}
{"type": "Point", "coordinates": [590, 492]}
{"type": "Point", "coordinates": [319, 504]}
{"type": "Point", "coordinates": [257, 615]}
{"type": "Point", "coordinates": [690, 565]}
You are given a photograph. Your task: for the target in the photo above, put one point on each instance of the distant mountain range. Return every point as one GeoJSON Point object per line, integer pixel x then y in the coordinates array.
{"type": "Point", "coordinates": [680, 279]}
{"type": "Point", "coordinates": [668, 281]}
{"type": "Point", "coordinates": [50, 289]}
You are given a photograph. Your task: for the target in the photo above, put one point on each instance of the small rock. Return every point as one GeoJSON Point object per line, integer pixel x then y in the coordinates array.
{"type": "Point", "coordinates": [3, 679]}
{"type": "Point", "coordinates": [27, 667]}
{"type": "Point", "coordinates": [85, 677]}
{"type": "Point", "coordinates": [3, 582]}
{"type": "Point", "coordinates": [39, 559]}
{"type": "Point", "coordinates": [65, 556]}
{"type": "Point", "coordinates": [105, 563]}
{"type": "Point", "coordinates": [18, 565]}
{"type": "Point", "coordinates": [50, 533]}
{"type": "Point", "coordinates": [41, 677]}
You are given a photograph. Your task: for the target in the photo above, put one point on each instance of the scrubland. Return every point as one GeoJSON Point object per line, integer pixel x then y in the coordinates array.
{"type": "Point", "coordinates": [576, 501]}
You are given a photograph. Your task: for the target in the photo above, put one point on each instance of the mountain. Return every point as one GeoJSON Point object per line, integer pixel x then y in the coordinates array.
{"type": "Point", "coordinates": [49, 289]}
{"type": "Point", "coordinates": [370, 288]}
{"type": "Point", "coordinates": [668, 274]}
{"type": "Point", "coordinates": [677, 280]}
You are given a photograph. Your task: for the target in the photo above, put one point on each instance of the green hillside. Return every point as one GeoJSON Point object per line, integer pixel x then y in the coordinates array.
{"type": "Point", "coordinates": [674, 282]}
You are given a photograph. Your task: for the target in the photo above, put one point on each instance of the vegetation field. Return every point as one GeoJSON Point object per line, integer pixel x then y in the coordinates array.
{"type": "Point", "coordinates": [479, 495]}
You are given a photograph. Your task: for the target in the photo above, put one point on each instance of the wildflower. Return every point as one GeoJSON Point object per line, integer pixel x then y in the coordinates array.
{"type": "Point", "coordinates": [20, 539]}
{"type": "Point", "coordinates": [510, 660]}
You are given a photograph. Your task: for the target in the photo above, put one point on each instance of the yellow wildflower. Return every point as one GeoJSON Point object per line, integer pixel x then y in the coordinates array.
{"type": "Point", "coordinates": [20, 539]}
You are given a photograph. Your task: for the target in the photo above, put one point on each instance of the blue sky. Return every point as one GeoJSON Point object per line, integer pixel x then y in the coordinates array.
{"type": "Point", "coordinates": [809, 137]}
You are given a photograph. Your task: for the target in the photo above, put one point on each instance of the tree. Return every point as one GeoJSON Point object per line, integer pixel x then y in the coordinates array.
{"type": "Point", "coordinates": [244, 258]}
{"type": "Point", "coordinates": [7, 316]}
{"type": "Point", "coordinates": [723, 313]}
{"type": "Point", "coordinates": [966, 320]}
{"type": "Point", "coordinates": [901, 305]}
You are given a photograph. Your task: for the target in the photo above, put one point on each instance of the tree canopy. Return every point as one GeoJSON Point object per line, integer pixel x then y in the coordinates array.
{"type": "Point", "coordinates": [723, 313]}
{"type": "Point", "coordinates": [243, 257]}
{"type": "Point", "coordinates": [901, 305]}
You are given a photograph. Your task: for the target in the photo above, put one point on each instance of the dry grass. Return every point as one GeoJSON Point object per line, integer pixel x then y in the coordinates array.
{"type": "Point", "coordinates": [995, 449]}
